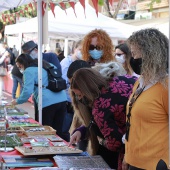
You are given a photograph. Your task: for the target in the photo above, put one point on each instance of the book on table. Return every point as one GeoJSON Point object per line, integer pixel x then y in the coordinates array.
{"type": "Point", "coordinates": [21, 161]}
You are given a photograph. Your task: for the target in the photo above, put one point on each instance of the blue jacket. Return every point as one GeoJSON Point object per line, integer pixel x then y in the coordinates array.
{"type": "Point", "coordinates": [30, 78]}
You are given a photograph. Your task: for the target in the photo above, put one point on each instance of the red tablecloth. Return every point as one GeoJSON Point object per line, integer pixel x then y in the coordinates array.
{"type": "Point", "coordinates": [15, 152]}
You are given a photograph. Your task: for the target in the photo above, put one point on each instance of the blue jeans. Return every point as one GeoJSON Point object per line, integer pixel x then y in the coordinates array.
{"type": "Point", "coordinates": [16, 80]}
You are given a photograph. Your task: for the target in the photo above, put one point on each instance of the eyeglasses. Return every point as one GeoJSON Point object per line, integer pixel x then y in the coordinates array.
{"type": "Point", "coordinates": [92, 47]}
{"type": "Point", "coordinates": [118, 54]}
{"type": "Point", "coordinates": [131, 102]}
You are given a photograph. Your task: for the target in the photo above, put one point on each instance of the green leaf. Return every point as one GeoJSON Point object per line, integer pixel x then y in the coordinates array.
{"type": "Point", "coordinates": [101, 2]}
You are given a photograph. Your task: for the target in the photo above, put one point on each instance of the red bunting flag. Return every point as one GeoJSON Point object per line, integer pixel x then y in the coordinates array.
{"type": "Point", "coordinates": [30, 5]}
{"type": "Point", "coordinates": [63, 6]}
{"type": "Point", "coordinates": [52, 5]}
{"type": "Point", "coordinates": [22, 12]}
{"type": "Point", "coordinates": [95, 4]}
{"type": "Point", "coordinates": [43, 7]}
{"type": "Point", "coordinates": [72, 4]}
{"type": "Point", "coordinates": [3, 18]}
{"type": "Point", "coordinates": [26, 9]}
{"type": "Point", "coordinates": [8, 16]}
{"type": "Point", "coordinates": [82, 2]}
{"type": "Point", "coordinates": [111, 2]}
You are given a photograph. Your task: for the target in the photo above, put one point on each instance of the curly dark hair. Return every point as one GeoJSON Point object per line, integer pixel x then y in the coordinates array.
{"type": "Point", "coordinates": [104, 41]}
{"type": "Point", "coordinates": [153, 47]}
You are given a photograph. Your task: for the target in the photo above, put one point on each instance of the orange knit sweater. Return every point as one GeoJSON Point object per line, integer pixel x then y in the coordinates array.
{"type": "Point", "coordinates": [148, 136]}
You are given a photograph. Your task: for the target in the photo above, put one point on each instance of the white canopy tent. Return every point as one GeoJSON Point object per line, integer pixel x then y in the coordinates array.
{"type": "Point", "coordinates": [68, 26]}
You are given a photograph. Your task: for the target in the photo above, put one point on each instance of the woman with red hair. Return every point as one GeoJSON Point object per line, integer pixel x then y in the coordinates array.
{"type": "Point", "coordinates": [97, 47]}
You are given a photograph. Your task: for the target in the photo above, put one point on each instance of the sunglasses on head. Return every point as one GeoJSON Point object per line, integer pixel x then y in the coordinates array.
{"type": "Point", "coordinates": [92, 47]}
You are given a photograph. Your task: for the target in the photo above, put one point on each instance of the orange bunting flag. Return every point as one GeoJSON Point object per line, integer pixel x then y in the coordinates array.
{"type": "Point", "coordinates": [72, 4]}
{"type": "Point", "coordinates": [95, 4]}
{"type": "Point", "coordinates": [43, 8]}
{"type": "Point", "coordinates": [63, 6]}
{"type": "Point", "coordinates": [82, 2]}
{"type": "Point", "coordinates": [52, 5]}
{"type": "Point", "coordinates": [111, 2]}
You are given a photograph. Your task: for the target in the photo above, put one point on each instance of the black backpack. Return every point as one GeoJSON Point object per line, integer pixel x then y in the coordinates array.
{"type": "Point", "coordinates": [55, 81]}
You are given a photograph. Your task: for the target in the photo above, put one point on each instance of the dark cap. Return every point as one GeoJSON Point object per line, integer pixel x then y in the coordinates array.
{"type": "Point", "coordinates": [76, 65]}
{"type": "Point", "coordinates": [29, 46]}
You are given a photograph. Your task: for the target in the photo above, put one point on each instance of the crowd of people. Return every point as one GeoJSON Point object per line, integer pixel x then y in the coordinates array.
{"type": "Point", "coordinates": [116, 101]}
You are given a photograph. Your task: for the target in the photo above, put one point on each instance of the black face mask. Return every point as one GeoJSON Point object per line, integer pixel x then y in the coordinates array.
{"type": "Point", "coordinates": [136, 65]}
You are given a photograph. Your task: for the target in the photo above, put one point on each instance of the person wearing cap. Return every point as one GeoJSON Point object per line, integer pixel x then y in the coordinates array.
{"type": "Point", "coordinates": [31, 48]}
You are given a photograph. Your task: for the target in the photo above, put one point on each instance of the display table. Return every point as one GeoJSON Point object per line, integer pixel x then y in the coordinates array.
{"type": "Point", "coordinates": [15, 152]}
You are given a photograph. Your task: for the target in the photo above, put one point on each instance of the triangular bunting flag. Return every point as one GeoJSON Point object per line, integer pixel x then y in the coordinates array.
{"type": "Point", "coordinates": [3, 17]}
{"type": "Point", "coordinates": [52, 5]}
{"type": "Point", "coordinates": [63, 6]}
{"type": "Point", "coordinates": [30, 5]}
{"type": "Point", "coordinates": [43, 8]}
{"type": "Point", "coordinates": [95, 4]}
{"type": "Point", "coordinates": [21, 11]}
{"type": "Point", "coordinates": [72, 4]}
{"type": "Point", "coordinates": [111, 2]}
{"type": "Point", "coordinates": [82, 2]}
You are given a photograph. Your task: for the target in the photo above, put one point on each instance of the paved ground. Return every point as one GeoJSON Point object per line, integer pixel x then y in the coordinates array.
{"type": "Point", "coordinates": [28, 107]}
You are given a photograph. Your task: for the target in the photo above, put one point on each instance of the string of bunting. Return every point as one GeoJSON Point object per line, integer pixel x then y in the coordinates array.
{"type": "Point", "coordinates": [33, 6]}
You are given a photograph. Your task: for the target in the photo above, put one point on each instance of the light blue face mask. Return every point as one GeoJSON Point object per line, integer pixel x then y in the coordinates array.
{"type": "Point", "coordinates": [79, 55]}
{"type": "Point", "coordinates": [96, 54]}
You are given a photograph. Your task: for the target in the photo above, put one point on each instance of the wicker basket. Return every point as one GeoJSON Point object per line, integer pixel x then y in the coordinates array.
{"type": "Point", "coordinates": [18, 130]}
{"type": "Point", "coordinates": [41, 130]}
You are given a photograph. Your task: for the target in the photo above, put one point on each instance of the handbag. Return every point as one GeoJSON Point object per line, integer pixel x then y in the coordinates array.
{"type": "Point", "coordinates": [3, 72]}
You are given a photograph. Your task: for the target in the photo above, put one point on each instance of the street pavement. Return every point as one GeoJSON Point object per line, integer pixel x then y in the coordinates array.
{"type": "Point", "coordinates": [28, 106]}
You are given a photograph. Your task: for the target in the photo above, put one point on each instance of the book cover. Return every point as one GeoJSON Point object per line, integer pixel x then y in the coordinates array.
{"type": "Point", "coordinates": [21, 161]}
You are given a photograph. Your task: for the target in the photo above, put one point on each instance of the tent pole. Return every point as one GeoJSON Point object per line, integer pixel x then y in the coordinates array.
{"type": "Point", "coordinates": [66, 47]}
{"type": "Point", "coordinates": [39, 17]}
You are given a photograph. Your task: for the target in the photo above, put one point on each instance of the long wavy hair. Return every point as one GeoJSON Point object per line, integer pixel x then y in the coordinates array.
{"type": "Point", "coordinates": [104, 41]}
{"type": "Point", "coordinates": [89, 82]}
{"type": "Point", "coordinates": [153, 47]}
{"type": "Point", "coordinates": [125, 49]}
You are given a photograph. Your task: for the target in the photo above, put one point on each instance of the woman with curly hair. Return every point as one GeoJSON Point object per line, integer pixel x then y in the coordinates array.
{"type": "Point", "coordinates": [97, 47]}
{"type": "Point", "coordinates": [147, 109]}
